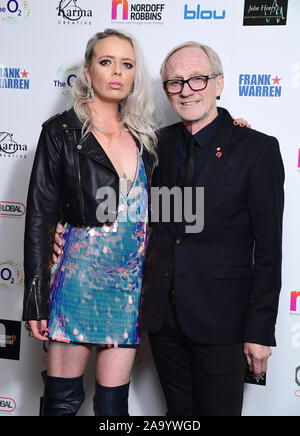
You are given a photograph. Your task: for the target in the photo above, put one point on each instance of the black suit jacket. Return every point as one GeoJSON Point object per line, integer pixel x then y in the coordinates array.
{"type": "Point", "coordinates": [227, 278]}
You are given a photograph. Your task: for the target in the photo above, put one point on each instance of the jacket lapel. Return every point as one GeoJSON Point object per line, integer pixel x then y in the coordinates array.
{"type": "Point", "coordinates": [216, 159]}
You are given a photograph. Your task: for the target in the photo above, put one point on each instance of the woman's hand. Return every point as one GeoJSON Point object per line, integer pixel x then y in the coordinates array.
{"type": "Point", "coordinates": [39, 329]}
{"type": "Point", "coordinates": [58, 242]}
{"type": "Point", "coordinates": [241, 122]}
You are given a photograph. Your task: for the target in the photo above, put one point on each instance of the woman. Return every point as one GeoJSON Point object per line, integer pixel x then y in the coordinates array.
{"type": "Point", "coordinates": [92, 296]}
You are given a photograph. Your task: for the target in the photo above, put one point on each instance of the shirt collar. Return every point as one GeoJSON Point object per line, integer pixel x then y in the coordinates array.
{"type": "Point", "coordinates": [207, 133]}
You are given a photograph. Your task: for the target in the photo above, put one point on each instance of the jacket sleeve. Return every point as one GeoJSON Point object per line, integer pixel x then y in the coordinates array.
{"type": "Point", "coordinates": [43, 206]}
{"type": "Point", "coordinates": [265, 202]}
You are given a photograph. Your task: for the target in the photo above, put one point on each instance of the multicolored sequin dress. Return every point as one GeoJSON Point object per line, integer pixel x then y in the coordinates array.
{"type": "Point", "coordinates": [96, 283]}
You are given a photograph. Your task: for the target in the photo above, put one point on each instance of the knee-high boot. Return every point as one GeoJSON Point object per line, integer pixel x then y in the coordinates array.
{"type": "Point", "coordinates": [111, 401]}
{"type": "Point", "coordinates": [62, 396]}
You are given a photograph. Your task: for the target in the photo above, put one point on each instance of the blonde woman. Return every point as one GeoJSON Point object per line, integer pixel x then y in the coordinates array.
{"type": "Point", "coordinates": [92, 296]}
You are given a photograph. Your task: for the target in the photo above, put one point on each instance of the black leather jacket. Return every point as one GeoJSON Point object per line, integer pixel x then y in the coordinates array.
{"type": "Point", "coordinates": [66, 174]}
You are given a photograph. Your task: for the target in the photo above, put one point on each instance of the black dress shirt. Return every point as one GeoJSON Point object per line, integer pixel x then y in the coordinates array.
{"type": "Point", "coordinates": [203, 139]}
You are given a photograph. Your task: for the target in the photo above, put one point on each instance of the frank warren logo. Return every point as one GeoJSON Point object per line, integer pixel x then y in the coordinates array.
{"type": "Point", "coordinates": [14, 78]}
{"type": "Point", "coordinates": [150, 12]}
{"type": "Point", "coordinates": [14, 11]}
{"type": "Point", "coordinates": [259, 85]}
{"type": "Point", "coordinates": [74, 12]}
{"type": "Point", "coordinates": [9, 148]}
{"type": "Point", "coordinates": [11, 209]}
{"type": "Point", "coordinates": [265, 12]}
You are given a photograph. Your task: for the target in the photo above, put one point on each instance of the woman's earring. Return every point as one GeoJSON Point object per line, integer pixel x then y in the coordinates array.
{"type": "Point", "coordinates": [90, 93]}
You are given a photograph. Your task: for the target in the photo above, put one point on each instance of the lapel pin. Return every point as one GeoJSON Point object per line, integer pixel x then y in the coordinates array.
{"type": "Point", "coordinates": [219, 154]}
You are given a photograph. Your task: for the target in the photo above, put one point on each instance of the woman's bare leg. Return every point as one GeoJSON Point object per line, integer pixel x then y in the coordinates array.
{"type": "Point", "coordinates": [114, 366]}
{"type": "Point", "coordinates": [67, 360]}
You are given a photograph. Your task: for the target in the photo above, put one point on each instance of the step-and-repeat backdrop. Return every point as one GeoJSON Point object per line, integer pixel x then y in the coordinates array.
{"type": "Point", "coordinates": [42, 46]}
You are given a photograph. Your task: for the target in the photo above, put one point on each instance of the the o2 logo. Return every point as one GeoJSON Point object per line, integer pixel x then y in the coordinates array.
{"type": "Point", "coordinates": [12, 11]}
{"type": "Point", "coordinates": [65, 78]}
{"type": "Point", "coordinates": [10, 274]}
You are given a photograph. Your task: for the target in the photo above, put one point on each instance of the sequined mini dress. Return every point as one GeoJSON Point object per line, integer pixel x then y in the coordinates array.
{"type": "Point", "coordinates": [96, 282]}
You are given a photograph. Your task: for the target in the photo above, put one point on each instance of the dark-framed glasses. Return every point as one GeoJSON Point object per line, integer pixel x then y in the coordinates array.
{"type": "Point", "coordinates": [196, 83]}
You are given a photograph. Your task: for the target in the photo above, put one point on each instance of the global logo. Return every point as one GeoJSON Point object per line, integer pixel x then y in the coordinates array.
{"type": "Point", "coordinates": [11, 275]}
{"type": "Point", "coordinates": [14, 78]}
{"type": "Point", "coordinates": [72, 13]}
{"type": "Point", "coordinates": [137, 12]}
{"type": "Point", "coordinates": [65, 79]}
{"type": "Point", "coordinates": [259, 85]}
{"type": "Point", "coordinates": [13, 11]}
{"type": "Point", "coordinates": [7, 404]}
{"type": "Point", "coordinates": [10, 148]}
{"type": "Point", "coordinates": [11, 209]}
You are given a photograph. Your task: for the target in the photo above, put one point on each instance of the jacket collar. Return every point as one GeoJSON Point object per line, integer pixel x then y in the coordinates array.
{"type": "Point", "coordinates": [90, 147]}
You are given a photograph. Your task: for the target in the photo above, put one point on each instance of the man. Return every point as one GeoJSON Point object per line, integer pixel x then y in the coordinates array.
{"type": "Point", "coordinates": [211, 298]}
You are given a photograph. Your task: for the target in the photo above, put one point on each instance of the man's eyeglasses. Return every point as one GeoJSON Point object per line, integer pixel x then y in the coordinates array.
{"type": "Point", "coordinates": [196, 83]}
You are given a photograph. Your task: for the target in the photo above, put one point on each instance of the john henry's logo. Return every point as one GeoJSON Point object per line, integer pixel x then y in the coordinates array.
{"type": "Point", "coordinates": [11, 209]}
{"type": "Point", "coordinates": [293, 305]}
{"type": "Point", "coordinates": [69, 10]}
{"type": "Point", "coordinates": [259, 85]}
{"type": "Point", "coordinates": [265, 12]}
{"type": "Point", "coordinates": [10, 339]}
{"type": "Point", "coordinates": [11, 148]}
{"type": "Point", "coordinates": [10, 274]}
{"type": "Point", "coordinates": [12, 11]}
{"type": "Point", "coordinates": [65, 79]}
{"type": "Point", "coordinates": [14, 78]}
{"type": "Point", "coordinates": [138, 11]}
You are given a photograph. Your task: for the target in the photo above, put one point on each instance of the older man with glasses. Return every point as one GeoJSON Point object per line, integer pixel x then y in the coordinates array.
{"type": "Point", "coordinates": [210, 299]}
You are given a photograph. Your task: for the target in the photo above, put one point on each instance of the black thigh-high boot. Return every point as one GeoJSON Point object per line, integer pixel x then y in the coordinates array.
{"type": "Point", "coordinates": [62, 396]}
{"type": "Point", "coordinates": [111, 401]}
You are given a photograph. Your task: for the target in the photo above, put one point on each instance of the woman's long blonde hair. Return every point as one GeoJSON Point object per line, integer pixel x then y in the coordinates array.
{"type": "Point", "coordinates": [136, 110]}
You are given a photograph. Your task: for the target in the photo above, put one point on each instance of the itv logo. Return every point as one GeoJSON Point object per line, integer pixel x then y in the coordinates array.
{"type": "Point", "coordinates": [201, 14]}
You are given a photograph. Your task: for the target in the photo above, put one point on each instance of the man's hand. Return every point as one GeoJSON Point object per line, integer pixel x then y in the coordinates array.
{"type": "Point", "coordinates": [241, 122]}
{"type": "Point", "coordinates": [58, 242]}
{"type": "Point", "coordinates": [257, 358]}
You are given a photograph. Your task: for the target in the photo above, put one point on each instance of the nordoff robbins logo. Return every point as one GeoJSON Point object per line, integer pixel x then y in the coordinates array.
{"type": "Point", "coordinates": [11, 209]}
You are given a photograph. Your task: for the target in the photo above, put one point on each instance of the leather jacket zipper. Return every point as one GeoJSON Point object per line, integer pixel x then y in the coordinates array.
{"type": "Point", "coordinates": [33, 288]}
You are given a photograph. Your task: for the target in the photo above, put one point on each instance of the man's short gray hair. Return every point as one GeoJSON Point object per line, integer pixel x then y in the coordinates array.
{"type": "Point", "coordinates": [214, 58]}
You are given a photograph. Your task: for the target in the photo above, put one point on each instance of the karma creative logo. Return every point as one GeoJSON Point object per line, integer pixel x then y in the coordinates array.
{"type": "Point", "coordinates": [136, 12]}
{"type": "Point", "coordinates": [9, 148]}
{"type": "Point", "coordinates": [14, 11]}
{"type": "Point", "coordinates": [260, 85]}
{"type": "Point", "coordinates": [74, 12]}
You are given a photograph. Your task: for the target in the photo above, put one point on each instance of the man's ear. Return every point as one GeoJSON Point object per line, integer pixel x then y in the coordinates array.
{"type": "Point", "coordinates": [220, 86]}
